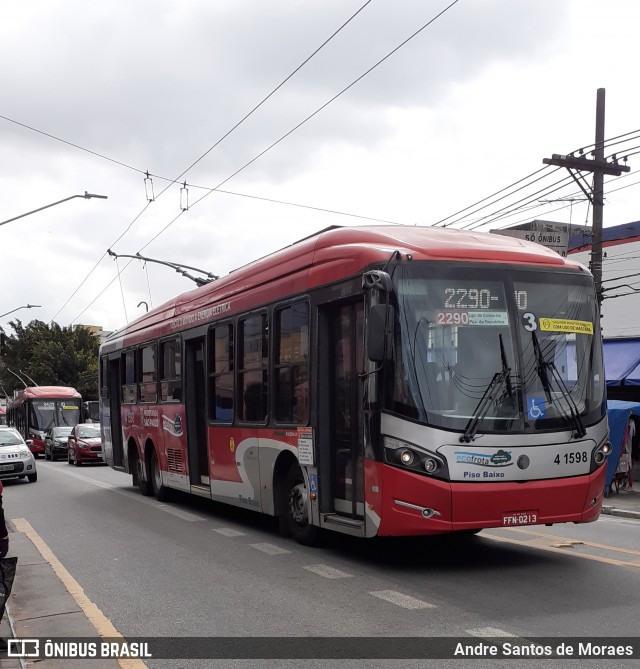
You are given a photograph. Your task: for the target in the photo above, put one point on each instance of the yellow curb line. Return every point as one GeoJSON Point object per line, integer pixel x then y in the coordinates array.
{"type": "Point", "coordinates": [103, 625]}
{"type": "Point", "coordinates": [560, 551]}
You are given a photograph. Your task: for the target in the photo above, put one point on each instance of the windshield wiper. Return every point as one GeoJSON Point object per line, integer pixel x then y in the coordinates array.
{"type": "Point", "coordinates": [500, 379]}
{"type": "Point", "coordinates": [543, 366]}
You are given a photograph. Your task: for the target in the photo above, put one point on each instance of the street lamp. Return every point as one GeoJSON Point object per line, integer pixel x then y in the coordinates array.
{"type": "Point", "coordinates": [26, 306]}
{"type": "Point", "coordinates": [86, 195]}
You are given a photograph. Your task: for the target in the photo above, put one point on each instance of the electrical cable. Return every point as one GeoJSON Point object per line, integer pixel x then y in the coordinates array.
{"type": "Point", "coordinates": [308, 118]}
{"type": "Point", "coordinates": [212, 147]}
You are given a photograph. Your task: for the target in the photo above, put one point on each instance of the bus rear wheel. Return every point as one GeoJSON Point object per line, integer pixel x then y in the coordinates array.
{"type": "Point", "coordinates": [144, 484]}
{"type": "Point", "coordinates": [159, 490]}
{"type": "Point", "coordinates": [296, 508]}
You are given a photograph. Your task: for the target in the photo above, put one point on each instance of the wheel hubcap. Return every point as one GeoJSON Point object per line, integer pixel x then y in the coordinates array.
{"type": "Point", "coordinates": [298, 503]}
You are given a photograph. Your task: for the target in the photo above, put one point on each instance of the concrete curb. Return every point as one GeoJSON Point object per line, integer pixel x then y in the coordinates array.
{"type": "Point", "coordinates": [40, 605]}
{"type": "Point", "coordinates": [623, 513]}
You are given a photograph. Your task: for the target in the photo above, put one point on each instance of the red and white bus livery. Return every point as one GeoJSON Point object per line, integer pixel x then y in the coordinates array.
{"type": "Point", "coordinates": [373, 381]}
{"type": "Point", "coordinates": [34, 410]}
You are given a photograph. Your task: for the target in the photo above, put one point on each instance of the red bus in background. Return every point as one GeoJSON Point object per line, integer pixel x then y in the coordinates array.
{"type": "Point", "coordinates": [34, 410]}
{"type": "Point", "coordinates": [3, 416]}
{"type": "Point", "coordinates": [382, 380]}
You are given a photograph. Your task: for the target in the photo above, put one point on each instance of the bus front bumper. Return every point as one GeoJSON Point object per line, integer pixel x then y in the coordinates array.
{"type": "Point", "coordinates": [416, 505]}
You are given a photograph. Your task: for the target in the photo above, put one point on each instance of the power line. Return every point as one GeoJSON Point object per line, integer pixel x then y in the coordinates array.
{"type": "Point", "coordinates": [308, 118]}
{"type": "Point", "coordinates": [75, 146]}
{"type": "Point", "coordinates": [527, 200]}
{"type": "Point", "coordinates": [278, 87]}
{"type": "Point", "coordinates": [515, 183]}
{"type": "Point", "coordinates": [608, 142]}
{"type": "Point", "coordinates": [245, 117]}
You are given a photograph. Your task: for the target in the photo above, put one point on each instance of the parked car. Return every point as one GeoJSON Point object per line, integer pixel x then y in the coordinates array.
{"type": "Point", "coordinates": [84, 444]}
{"type": "Point", "coordinates": [16, 460]}
{"type": "Point", "coordinates": [56, 442]}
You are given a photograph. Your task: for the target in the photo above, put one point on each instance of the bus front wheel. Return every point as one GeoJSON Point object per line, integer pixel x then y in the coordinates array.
{"type": "Point", "coordinates": [296, 508]}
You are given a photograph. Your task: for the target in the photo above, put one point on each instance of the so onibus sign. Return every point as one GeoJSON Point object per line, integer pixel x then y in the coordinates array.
{"type": "Point", "coordinates": [554, 236]}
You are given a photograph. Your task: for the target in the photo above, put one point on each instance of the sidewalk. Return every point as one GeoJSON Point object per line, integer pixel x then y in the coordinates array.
{"type": "Point", "coordinates": [41, 606]}
{"type": "Point", "coordinates": [625, 503]}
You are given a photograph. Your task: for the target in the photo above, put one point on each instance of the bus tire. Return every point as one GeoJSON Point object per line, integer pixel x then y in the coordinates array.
{"type": "Point", "coordinates": [159, 490]}
{"type": "Point", "coordinates": [144, 484]}
{"type": "Point", "coordinates": [296, 508]}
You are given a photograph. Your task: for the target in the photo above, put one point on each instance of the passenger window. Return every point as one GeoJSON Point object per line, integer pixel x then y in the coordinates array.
{"type": "Point", "coordinates": [171, 371]}
{"type": "Point", "coordinates": [221, 373]}
{"type": "Point", "coordinates": [253, 377]}
{"type": "Point", "coordinates": [147, 386]}
{"type": "Point", "coordinates": [292, 364]}
{"type": "Point", "coordinates": [128, 375]}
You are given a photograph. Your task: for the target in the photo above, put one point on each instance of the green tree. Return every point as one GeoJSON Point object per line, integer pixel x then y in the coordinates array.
{"type": "Point", "coordinates": [52, 356]}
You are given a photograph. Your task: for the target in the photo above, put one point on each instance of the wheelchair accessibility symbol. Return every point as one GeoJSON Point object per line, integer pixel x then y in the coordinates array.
{"type": "Point", "coordinates": [536, 408]}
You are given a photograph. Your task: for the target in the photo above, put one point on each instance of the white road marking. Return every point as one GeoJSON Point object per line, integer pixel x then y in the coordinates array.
{"type": "Point", "coordinates": [228, 532]}
{"type": "Point", "coordinates": [489, 632]}
{"type": "Point", "coordinates": [326, 571]}
{"type": "Point", "coordinates": [405, 601]}
{"type": "Point", "coordinates": [184, 515]}
{"type": "Point", "coordinates": [270, 549]}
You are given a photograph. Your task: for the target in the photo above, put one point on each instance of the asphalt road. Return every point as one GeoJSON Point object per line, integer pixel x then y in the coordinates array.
{"type": "Point", "coordinates": [193, 568]}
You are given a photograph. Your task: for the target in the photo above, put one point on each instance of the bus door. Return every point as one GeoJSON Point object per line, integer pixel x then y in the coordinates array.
{"type": "Point", "coordinates": [115, 422]}
{"type": "Point", "coordinates": [195, 410]}
{"type": "Point", "coordinates": [346, 438]}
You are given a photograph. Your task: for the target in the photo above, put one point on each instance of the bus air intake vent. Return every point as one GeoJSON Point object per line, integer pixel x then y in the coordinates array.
{"type": "Point", "coordinates": [174, 461]}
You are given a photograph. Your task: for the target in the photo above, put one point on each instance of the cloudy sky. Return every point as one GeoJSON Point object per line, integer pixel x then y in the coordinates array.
{"type": "Point", "coordinates": [97, 94]}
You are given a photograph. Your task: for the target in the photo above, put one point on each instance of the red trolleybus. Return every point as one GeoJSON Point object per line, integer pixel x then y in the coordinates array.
{"type": "Point", "coordinates": [3, 416]}
{"type": "Point", "coordinates": [34, 410]}
{"type": "Point", "coordinates": [373, 381]}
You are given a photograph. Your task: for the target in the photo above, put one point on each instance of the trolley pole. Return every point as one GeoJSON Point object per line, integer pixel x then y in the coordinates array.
{"type": "Point", "coordinates": [599, 166]}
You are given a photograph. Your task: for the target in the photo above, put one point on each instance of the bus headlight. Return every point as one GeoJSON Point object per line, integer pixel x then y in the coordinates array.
{"type": "Point", "coordinates": [601, 452]}
{"type": "Point", "coordinates": [417, 459]}
{"type": "Point", "coordinates": [431, 465]}
{"type": "Point", "coordinates": [407, 457]}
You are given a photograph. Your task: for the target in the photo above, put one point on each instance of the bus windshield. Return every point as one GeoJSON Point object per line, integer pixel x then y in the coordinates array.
{"type": "Point", "coordinates": [54, 412]}
{"type": "Point", "coordinates": [508, 349]}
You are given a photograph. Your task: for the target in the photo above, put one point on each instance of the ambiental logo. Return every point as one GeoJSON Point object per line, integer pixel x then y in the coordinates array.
{"type": "Point", "coordinates": [172, 425]}
{"type": "Point", "coordinates": [500, 458]}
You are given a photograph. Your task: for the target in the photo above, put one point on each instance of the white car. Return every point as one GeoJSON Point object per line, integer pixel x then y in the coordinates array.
{"type": "Point", "coordinates": [16, 460]}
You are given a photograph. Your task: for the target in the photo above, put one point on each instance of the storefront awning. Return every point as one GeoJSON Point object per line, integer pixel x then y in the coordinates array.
{"type": "Point", "coordinates": [622, 362]}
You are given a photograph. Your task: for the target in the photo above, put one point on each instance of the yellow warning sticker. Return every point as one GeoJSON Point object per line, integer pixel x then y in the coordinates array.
{"type": "Point", "coordinates": [564, 325]}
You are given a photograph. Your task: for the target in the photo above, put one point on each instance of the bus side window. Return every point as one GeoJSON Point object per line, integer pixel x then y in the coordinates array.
{"type": "Point", "coordinates": [253, 361]}
{"type": "Point", "coordinates": [292, 364]}
{"type": "Point", "coordinates": [128, 375]}
{"type": "Point", "coordinates": [170, 371]}
{"type": "Point", "coordinates": [221, 351]}
{"type": "Point", "coordinates": [104, 384]}
{"type": "Point", "coordinates": [146, 374]}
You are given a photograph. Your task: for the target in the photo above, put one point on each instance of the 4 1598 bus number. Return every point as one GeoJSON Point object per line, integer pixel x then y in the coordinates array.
{"type": "Point", "coordinates": [571, 458]}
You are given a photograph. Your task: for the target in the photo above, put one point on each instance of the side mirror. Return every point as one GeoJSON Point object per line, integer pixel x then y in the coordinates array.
{"type": "Point", "coordinates": [380, 332]}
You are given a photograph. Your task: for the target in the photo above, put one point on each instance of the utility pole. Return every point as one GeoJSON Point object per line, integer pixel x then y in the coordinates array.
{"type": "Point", "coordinates": [595, 194]}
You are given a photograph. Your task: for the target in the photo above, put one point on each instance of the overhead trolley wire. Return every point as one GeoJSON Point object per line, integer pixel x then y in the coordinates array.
{"type": "Point", "coordinates": [244, 118]}
{"type": "Point", "coordinates": [308, 118]}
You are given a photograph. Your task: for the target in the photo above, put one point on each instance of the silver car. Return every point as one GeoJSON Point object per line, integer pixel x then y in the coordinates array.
{"type": "Point", "coordinates": [16, 460]}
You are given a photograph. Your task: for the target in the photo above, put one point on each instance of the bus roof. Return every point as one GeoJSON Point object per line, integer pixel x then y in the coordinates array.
{"type": "Point", "coordinates": [46, 392]}
{"type": "Point", "coordinates": [330, 255]}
